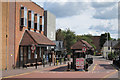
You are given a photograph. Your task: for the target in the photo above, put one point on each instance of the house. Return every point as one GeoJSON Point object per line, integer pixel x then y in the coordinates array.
{"type": "Point", "coordinates": [96, 42]}
{"type": "Point", "coordinates": [23, 39]}
{"type": "Point", "coordinates": [108, 48]}
{"type": "Point", "coordinates": [77, 47]}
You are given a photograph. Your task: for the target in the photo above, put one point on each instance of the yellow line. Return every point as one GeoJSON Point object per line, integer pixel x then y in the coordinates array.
{"type": "Point", "coordinates": [94, 67]}
{"type": "Point", "coordinates": [16, 75]}
{"type": "Point", "coordinates": [110, 74]}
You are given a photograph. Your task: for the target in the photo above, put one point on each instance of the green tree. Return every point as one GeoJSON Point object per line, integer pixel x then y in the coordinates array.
{"type": "Point", "coordinates": [103, 38]}
{"type": "Point", "coordinates": [70, 39]}
{"type": "Point", "coordinates": [67, 36]}
{"type": "Point", "coordinates": [86, 38]}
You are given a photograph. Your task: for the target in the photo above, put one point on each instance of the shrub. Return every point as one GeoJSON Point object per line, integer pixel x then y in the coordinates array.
{"type": "Point", "coordinates": [111, 56]}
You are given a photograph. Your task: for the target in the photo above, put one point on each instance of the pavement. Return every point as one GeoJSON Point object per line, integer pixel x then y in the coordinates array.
{"type": "Point", "coordinates": [101, 68]}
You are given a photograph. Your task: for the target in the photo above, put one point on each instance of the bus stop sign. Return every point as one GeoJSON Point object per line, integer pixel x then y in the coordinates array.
{"type": "Point", "coordinates": [79, 63]}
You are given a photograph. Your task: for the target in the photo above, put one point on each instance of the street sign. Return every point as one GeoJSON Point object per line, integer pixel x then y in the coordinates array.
{"type": "Point", "coordinates": [33, 47]}
{"type": "Point", "coordinates": [79, 63]}
{"type": "Point", "coordinates": [84, 49]}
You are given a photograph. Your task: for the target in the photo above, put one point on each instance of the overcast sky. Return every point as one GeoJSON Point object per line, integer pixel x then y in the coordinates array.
{"type": "Point", "coordinates": [84, 16]}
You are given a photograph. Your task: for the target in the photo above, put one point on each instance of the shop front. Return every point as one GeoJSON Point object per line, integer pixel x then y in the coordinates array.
{"type": "Point", "coordinates": [33, 47]}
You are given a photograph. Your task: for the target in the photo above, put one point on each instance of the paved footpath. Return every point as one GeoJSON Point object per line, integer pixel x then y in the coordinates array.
{"type": "Point", "coordinates": [101, 68]}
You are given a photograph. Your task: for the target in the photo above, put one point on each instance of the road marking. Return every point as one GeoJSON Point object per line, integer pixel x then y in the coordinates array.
{"type": "Point", "coordinates": [94, 67]}
{"type": "Point", "coordinates": [17, 75]}
{"type": "Point", "coordinates": [109, 74]}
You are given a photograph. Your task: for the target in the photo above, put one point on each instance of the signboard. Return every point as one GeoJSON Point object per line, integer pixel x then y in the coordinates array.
{"type": "Point", "coordinates": [33, 47]}
{"type": "Point", "coordinates": [84, 49]}
{"type": "Point", "coordinates": [79, 63]}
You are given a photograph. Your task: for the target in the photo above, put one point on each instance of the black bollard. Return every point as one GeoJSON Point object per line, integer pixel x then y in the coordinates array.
{"type": "Point", "coordinates": [68, 67]}
{"type": "Point", "coordinates": [36, 64]}
{"type": "Point", "coordinates": [43, 63]}
{"type": "Point", "coordinates": [71, 65]}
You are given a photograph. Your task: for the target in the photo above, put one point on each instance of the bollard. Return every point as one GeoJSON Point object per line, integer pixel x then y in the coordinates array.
{"type": "Point", "coordinates": [54, 61]}
{"type": "Point", "coordinates": [43, 63]}
{"type": "Point", "coordinates": [57, 62]}
{"type": "Point", "coordinates": [71, 65]}
{"type": "Point", "coordinates": [60, 61]}
{"type": "Point", "coordinates": [68, 67]}
{"type": "Point", "coordinates": [36, 64]}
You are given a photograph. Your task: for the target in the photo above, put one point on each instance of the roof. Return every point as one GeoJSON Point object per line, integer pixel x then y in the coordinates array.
{"type": "Point", "coordinates": [110, 43]}
{"type": "Point", "coordinates": [80, 45]}
{"type": "Point", "coordinates": [96, 42]}
{"type": "Point", "coordinates": [30, 37]}
{"type": "Point", "coordinates": [117, 46]}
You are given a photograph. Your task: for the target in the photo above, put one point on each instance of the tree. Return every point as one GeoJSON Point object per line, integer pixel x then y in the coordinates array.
{"type": "Point", "coordinates": [70, 39]}
{"type": "Point", "coordinates": [67, 36]}
{"type": "Point", "coordinates": [86, 38]}
{"type": "Point", "coordinates": [103, 38]}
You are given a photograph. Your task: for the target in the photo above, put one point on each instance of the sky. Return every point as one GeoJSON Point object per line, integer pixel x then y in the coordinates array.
{"type": "Point", "coordinates": [84, 16]}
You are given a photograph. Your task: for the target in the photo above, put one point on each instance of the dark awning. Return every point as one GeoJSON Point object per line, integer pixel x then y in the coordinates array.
{"type": "Point", "coordinates": [30, 38]}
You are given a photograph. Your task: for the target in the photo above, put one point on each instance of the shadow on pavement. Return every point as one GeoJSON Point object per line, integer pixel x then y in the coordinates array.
{"type": "Point", "coordinates": [107, 66]}
{"type": "Point", "coordinates": [60, 69]}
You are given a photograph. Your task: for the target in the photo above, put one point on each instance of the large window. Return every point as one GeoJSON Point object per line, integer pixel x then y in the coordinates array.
{"type": "Point", "coordinates": [40, 52]}
{"type": "Point", "coordinates": [41, 23]}
{"type": "Point", "coordinates": [23, 16]}
{"type": "Point", "coordinates": [29, 53]}
{"type": "Point", "coordinates": [37, 21]}
{"type": "Point", "coordinates": [31, 19]}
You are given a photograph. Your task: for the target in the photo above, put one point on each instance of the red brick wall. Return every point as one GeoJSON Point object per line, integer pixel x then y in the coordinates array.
{"type": "Point", "coordinates": [19, 33]}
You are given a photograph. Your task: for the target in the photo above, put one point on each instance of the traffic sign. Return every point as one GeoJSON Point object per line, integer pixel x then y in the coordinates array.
{"type": "Point", "coordinates": [33, 47]}
{"type": "Point", "coordinates": [84, 49]}
{"type": "Point", "coordinates": [79, 63]}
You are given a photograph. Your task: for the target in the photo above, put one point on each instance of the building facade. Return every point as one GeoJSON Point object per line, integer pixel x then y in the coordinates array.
{"type": "Point", "coordinates": [108, 48]}
{"type": "Point", "coordinates": [22, 27]}
{"type": "Point", "coordinates": [50, 30]}
{"type": "Point", "coordinates": [50, 25]}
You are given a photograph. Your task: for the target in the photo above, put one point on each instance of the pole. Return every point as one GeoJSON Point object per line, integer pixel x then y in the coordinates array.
{"type": "Point", "coordinates": [107, 44]}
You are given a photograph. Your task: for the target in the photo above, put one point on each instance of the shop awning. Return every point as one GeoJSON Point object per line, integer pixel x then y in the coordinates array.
{"type": "Point", "coordinates": [30, 38]}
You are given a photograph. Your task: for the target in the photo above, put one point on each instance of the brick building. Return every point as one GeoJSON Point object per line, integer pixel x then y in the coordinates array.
{"type": "Point", "coordinates": [21, 28]}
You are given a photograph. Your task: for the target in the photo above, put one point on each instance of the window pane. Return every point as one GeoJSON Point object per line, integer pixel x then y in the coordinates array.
{"type": "Point", "coordinates": [29, 53]}
{"type": "Point", "coordinates": [40, 52]}
{"type": "Point", "coordinates": [25, 16]}
{"type": "Point", "coordinates": [32, 19]}
{"type": "Point", "coordinates": [42, 23]}
{"type": "Point", "coordinates": [38, 21]}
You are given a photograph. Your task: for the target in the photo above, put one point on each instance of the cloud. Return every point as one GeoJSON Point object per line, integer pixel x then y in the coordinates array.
{"type": "Point", "coordinates": [66, 9]}
{"type": "Point", "coordinates": [102, 28]}
{"type": "Point", "coordinates": [102, 4]}
{"type": "Point", "coordinates": [105, 10]}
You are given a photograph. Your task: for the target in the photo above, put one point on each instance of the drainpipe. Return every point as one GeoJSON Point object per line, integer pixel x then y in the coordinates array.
{"type": "Point", "coordinates": [14, 33]}
{"type": "Point", "coordinates": [6, 34]}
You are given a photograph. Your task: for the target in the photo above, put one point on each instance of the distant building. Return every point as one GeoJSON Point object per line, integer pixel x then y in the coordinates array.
{"type": "Point", "coordinates": [96, 42]}
{"type": "Point", "coordinates": [50, 25]}
{"type": "Point", "coordinates": [59, 49]}
{"type": "Point", "coordinates": [108, 48]}
{"type": "Point", "coordinates": [50, 28]}
{"type": "Point", "coordinates": [77, 47]}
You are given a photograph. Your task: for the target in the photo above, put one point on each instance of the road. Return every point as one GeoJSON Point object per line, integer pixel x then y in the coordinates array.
{"type": "Point", "coordinates": [100, 68]}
